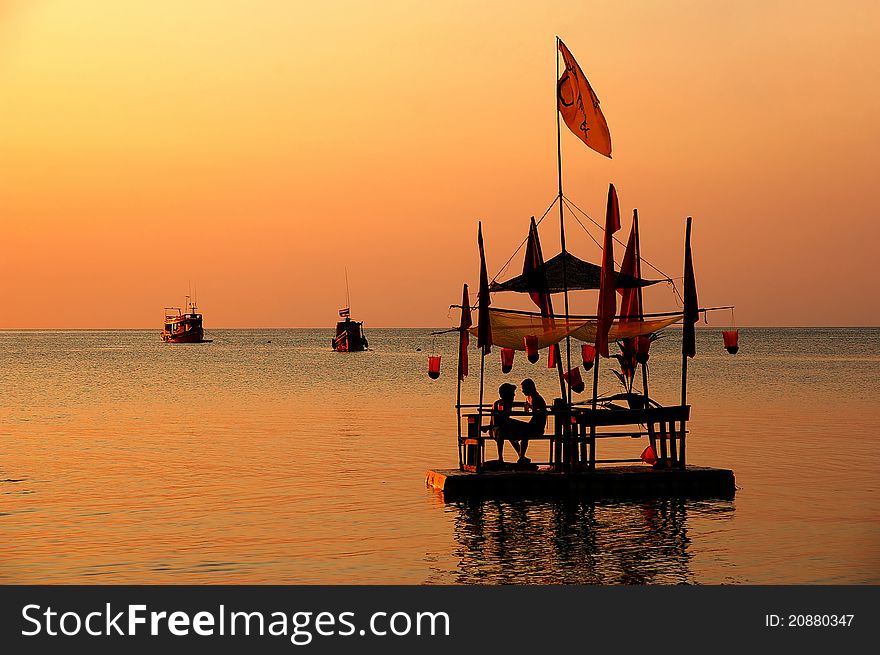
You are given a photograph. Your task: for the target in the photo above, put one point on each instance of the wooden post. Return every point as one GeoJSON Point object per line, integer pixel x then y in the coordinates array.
{"type": "Point", "coordinates": [663, 434]}
{"type": "Point", "coordinates": [641, 301]}
{"type": "Point", "coordinates": [681, 458]}
{"type": "Point", "coordinates": [592, 463]}
{"type": "Point", "coordinates": [558, 434]}
{"type": "Point", "coordinates": [684, 357]}
{"type": "Point", "coordinates": [458, 409]}
{"type": "Point", "coordinates": [566, 390]}
{"type": "Point", "coordinates": [482, 370]}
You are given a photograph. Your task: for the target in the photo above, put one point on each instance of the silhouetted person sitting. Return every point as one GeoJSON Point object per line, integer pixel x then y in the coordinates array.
{"type": "Point", "coordinates": [534, 427]}
{"type": "Point", "coordinates": [500, 420]}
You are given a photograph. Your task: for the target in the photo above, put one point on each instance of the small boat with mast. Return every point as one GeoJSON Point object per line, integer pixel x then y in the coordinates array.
{"type": "Point", "coordinates": [350, 337]}
{"type": "Point", "coordinates": [184, 325]}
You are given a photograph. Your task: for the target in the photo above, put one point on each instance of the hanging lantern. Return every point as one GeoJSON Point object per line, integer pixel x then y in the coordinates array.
{"type": "Point", "coordinates": [731, 340]}
{"type": "Point", "coordinates": [643, 344]}
{"type": "Point", "coordinates": [434, 366]}
{"type": "Point", "coordinates": [551, 356]}
{"type": "Point", "coordinates": [531, 342]}
{"type": "Point", "coordinates": [573, 377]}
{"type": "Point", "coordinates": [588, 352]}
{"type": "Point", "coordinates": [507, 359]}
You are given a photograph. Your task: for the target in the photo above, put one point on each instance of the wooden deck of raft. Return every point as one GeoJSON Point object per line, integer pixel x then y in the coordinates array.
{"type": "Point", "coordinates": [638, 481]}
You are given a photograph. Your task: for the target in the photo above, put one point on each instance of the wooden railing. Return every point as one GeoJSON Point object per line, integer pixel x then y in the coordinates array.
{"type": "Point", "coordinates": [575, 431]}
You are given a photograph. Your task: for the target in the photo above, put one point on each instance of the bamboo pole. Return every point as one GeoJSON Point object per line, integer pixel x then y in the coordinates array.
{"type": "Point", "coordinates": [458, 404]}
{"type": "Point", "coordinates": [592, 463]}
{"type": "Point", "coordinates": [641, 300]}
{"type": "Point", "coordinates": [566, 390]}
{"type": "Point", "coordinates": [684, 358]}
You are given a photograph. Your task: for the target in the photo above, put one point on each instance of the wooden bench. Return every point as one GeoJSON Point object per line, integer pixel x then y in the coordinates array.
{"type": "Point", "coordinates": [666, 431]}
{"type": "Point", "coordinates": [472, 444]}
{"type": "Point", "coordinates": [575, 431]}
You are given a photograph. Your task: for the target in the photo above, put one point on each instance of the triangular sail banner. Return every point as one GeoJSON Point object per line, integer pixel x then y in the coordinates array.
{"type": "Point", "coordinates": [484, 333]}
{"type": "Point", "coordinates": [691, 305]}
{"type": "Point", "coordinates": [579, 106]}
{"type": "Point", "coordinates": [463, 337]}
{"type": "Point", "coordinates": [607, 297]}
{"type": "Point", "coordinates": [630, 307]}
{"type": "Point", "coordinates": [535, 271]}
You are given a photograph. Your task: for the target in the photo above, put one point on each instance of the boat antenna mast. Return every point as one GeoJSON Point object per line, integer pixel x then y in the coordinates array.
{"type": "Point", "coordinates": [347, 299]}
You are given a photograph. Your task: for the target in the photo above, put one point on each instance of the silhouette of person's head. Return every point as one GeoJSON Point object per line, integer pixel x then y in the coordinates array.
{"type": "Point", "coordinates": [528, 387]}
{"type": "Point", "coordinates": [507, 391]}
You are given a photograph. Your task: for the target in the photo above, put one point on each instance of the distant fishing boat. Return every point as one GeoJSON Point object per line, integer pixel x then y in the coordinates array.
{"type": "Point", "coordinates": [350, 336]}
{"type": "Point", "coordinates": [183, 326]}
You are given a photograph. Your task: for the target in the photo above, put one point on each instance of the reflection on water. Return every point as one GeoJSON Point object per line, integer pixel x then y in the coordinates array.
{"type": "Point", "coordinates": [576, 542]}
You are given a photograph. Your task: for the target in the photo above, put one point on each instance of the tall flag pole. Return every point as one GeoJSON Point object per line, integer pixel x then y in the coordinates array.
{"type": "Point", "coordinates": [562, 111]}
{"type": "Point", "coordinates": [578, 106]}
{"type": "Point", "coordinates": [607, 296]}
{"type": "Point", "coordinates": [641, 301]}
{"type": "Point", "coordinates": [691, 312]}
{"type": "Point", "coordinates": [631, 301]}
{"type": "Point", "coordinates": [533, 270]}
{"type": "Point", "coordinates": [484, 326]}
{"type": "Point", "coordinates": [607, 304]}
{"type": "Point", "coordinates": [463, 340]}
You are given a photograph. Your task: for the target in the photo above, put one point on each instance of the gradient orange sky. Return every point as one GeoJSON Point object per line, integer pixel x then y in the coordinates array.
{"type": "Point", "coordinates": [255, 148]}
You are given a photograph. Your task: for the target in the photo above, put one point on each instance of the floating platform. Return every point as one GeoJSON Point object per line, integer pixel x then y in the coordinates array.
{"type": "Point", "coordinates": [611, 482]}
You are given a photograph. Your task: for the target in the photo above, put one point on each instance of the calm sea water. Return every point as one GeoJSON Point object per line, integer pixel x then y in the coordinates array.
{"type": "Point", "coordinates": [265, 458]}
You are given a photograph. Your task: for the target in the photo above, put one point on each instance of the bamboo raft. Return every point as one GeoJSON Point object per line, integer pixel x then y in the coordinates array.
{"type": "Point", "coordinates": [572, 467]}
{"type": "Point", "coordinates": [609, 482]}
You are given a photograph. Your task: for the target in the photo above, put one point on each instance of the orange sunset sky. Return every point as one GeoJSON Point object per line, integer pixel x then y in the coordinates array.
{"type": "Point", "coordinates": [255, 148]}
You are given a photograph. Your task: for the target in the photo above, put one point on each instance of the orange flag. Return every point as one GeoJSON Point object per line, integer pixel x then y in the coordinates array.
{"type": "Point", "coordinates": [607, 296]}
{"type": "Point", "coordinates": [579, 106]}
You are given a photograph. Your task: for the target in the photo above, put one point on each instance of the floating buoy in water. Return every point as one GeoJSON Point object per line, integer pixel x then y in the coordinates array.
{"type": "Point", "coordinates": [551, 356]}
{"type": "Point", "coordinates": [531, 342]}
{"type": "Point", "coordinates": [649, 456]}
{"type": "Point", "coordinates": [434, 366]}
{"type": "Point", "coordinates": [588, 352]}
{"type": "Point", "coordinates": [573, 377]}
{"type": "Point", "coordinates": [507, 359]}
{"type": "Point", "coordinates": [731, 340]}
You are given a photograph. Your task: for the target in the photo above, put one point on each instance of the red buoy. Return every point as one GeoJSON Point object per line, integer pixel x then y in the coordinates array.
{"type": "Point", "coordinates": [507, 359]}
{"type": "Point", "coordinates": [531, 342]}
{"type": "Point", "coordinates": [434, 366]}
{"type": "Point", "coordinates": [731, 340]}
